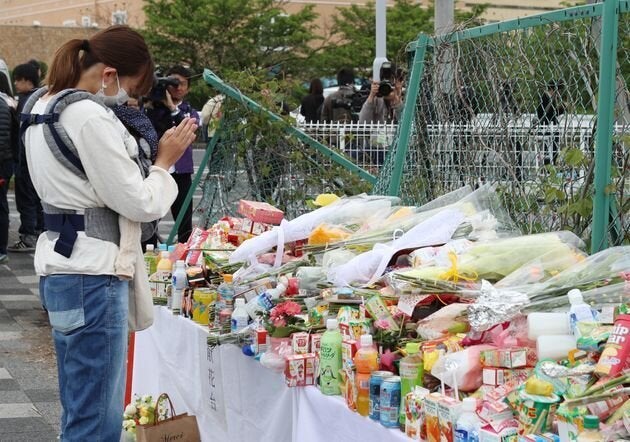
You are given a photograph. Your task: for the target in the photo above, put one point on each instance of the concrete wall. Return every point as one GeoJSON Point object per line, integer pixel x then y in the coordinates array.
{"type": "Point", "coordinates": [18, 44]}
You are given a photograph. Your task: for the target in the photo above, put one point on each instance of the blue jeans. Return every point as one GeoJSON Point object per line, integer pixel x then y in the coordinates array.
{"type": "Point", "coordinates": [88, 315]}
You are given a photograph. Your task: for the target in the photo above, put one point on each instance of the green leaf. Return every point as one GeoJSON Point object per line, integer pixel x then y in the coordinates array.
{"type": "Point", "coordinates": [574, 157]}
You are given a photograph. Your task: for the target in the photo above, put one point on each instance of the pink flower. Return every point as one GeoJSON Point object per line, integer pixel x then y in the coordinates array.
{"type": "Point", "coordinates": [279, 322]}
{"type": "Point", "coordinates": [292, 308]}
{"type": "Point", "coordinates": [382, 324]}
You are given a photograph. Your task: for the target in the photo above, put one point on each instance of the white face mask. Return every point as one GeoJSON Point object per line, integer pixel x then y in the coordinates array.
{"type": "Point", "coordinates": [119, 99]}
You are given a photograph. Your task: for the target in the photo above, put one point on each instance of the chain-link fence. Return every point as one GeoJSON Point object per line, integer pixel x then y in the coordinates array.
{"type": "Point", "coordinates": [516, 103]}
{"type": "Point", "coordinates": [257, 155]}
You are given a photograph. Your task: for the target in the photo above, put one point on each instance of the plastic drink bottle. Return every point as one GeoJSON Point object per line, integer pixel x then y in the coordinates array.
{"type": "Point", "coordinates": [411, 374]}
{"type": "Point", "coordinates": [240, 318]}
{"type": "Point", "coordinates": [264, 301]}
{"type": "Point", "coordinates": [580, 311]}
{"type": "Point", "coordinates": [591, 430]}
{"type": "Point", "coordinates": [164, 271]}
{"type": "Point", "coordinates": [365, 361]}
{"type": "Point", "coordinates": [330, 359]}
{"type": "Point", "coordinates": [179, 283]}
{"type": "Point", "coordinates": [150, 259]}
{"type": "Point", "coordinates": [468, 424]}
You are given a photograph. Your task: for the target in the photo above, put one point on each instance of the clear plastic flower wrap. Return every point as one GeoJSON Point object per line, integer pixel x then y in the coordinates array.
{"type": "Point", "coordinates": [605, 268]}
{"type": "Point", "coordinates": [490, 260]}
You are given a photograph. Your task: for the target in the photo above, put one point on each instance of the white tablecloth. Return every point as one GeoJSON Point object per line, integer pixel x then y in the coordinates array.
{"type": "Point", "coordinates": [235, 398]}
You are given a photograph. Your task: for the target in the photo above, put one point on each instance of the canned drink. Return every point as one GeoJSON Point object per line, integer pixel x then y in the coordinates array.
{"type": "Point", "coordinates": [390, 402]}
{"type": "Point", "coordinates": [375, 393]}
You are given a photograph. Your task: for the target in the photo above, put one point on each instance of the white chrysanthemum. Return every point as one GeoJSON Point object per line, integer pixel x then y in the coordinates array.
{"type": "Point", "coordinates": [131, 410]}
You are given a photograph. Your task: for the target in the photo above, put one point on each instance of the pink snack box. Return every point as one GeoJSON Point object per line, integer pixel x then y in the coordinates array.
{"type": "Point", "coordinates": [300, 343]}
{"type": "Point", "coordinates": [260, 212]}
{"type": "Point", "coordinates": [300, 370]}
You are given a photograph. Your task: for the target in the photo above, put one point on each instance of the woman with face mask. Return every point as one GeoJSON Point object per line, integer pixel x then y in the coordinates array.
{"type": "Point", "coordinates": [87, 303]}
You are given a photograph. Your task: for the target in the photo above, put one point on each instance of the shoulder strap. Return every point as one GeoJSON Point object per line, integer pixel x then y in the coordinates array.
{"type": "Point", "coordinates": [55, 135]}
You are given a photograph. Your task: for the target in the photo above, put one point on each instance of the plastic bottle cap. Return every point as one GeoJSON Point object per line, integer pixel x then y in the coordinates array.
{"type": "Point", "coordinates": [239, 302]}
{"type": "Point", "coordinates": [575, 296]}
{"type": "Point", "coordinates": [171, 248]}
{"type": "Point", "coordinates": [469, 404]}
{"type": "Point", "coordinates": [412, 348]}
{"type": "Point", "coordinates": [591, 422]}
{"type": "Point", "coordinates": [331, 324]}
{"type": "Point", "coordinates": [366, 340]}
{"type": "Point", "coordinates": [150, 247]}
{"type": "Point", "coordinates": [163, 247]}
{"type": "Point", "coordinates": [228, 278]}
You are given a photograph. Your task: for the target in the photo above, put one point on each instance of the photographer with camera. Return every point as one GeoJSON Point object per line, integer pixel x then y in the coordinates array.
{"type": "Point", "coordinates": [384, 103]}
{"type": "Point", "coordinates": [166, 108]}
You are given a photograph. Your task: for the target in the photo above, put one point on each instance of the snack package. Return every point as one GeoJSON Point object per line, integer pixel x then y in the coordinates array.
{"type": "Point", "coordinates": [616, 354]}
{"type": "Point", "coordinates": [439, 323]}
{"type": "Point", "coordinates": [193, 246]}
{"type": "Point", "coordinates": [260, 212]}
{"type": "Point", "coordinates": [496, 376]}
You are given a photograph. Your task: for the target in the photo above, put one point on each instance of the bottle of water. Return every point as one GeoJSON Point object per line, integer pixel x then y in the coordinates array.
{"type": "Point", "coordinates": [468, 424]}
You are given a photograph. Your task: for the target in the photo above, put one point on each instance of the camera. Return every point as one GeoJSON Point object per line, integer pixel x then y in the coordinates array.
{"type": "Point", "coordinates": [385, 87]}
{"type": "Point", "coordinates": [158, 91]}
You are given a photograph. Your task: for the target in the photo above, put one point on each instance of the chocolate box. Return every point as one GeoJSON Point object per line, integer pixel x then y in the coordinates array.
{"type": "Point", "coordinates": [260, 212]}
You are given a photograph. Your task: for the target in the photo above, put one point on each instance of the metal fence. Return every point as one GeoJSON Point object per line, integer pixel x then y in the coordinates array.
{"type": "Point", "coordinates": [527, 104]}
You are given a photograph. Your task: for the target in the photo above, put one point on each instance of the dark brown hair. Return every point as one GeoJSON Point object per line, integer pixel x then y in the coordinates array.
{"type": "Point", "coordinates": [119, 47]}
{"type": "Point", "coordinates": [316, 88]}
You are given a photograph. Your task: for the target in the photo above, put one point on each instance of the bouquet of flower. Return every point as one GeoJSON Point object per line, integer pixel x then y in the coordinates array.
{"type": "Point", "coordinates": [282, 320]}
{"type": "Point", "coordinates": [141, 411]}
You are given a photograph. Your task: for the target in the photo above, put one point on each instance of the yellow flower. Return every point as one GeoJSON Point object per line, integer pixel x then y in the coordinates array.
{"type": "Point", "coordinates": [144, 420]}
{"type": "Point", "coordinates": [144, 412]}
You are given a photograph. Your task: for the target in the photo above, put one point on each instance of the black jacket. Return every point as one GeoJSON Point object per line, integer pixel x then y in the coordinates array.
{"type": "Point", "coordinates": [7, 131]}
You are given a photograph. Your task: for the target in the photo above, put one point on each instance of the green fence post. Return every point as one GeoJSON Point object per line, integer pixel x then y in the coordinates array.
{"type": "Point", "coordinates": [193, 186]}
{"type": "Point", "coordinates": [605, 121]}
{"type": "Point", "coordinates": [404, 129]}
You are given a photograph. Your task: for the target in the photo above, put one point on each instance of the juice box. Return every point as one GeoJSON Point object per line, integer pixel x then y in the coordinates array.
{"type": "Point", "coordinates": [348, 349]}
{"type": "Point", "coordinates": [300, 343]}
{"type": "Point", "coordinates": [415, 425]}
{"type": "Point", "coordinates": [431, 405]}
{"type": "Point", "coordinates": [504, 358]}
{"type": "Point", "coordinates": [316, 340]}
{"type": "Point", "coordinates": [300, 370]}
{"type": "Point", "coordinates": [509, 434]}
{"type": "Point", "coordinates": [449, 410]}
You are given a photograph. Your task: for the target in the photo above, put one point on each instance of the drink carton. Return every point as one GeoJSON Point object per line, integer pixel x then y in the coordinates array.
{"type": "Point", "coordinates": [348, 350]}
{"type": "Point", "coordinates": [300, 370]}
{"type": "Point", "coordinates": [316, 340]}
{"type": "Point", "coordinates": [504, 358]}
{"type": "Point", "coordinates": [449, 410]}
{"type": "Point", "coordinates": [415, 426]}
{"type": "Point", "coordinates": [495, 376]}
{"type": "Point", "coordinates": [300, 343]}
{"type": "Point", "coordinates": [431, 403]}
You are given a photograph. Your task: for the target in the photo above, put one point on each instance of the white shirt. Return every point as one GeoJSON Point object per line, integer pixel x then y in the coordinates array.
{"type": "Point", "coordinates": [104, 146]}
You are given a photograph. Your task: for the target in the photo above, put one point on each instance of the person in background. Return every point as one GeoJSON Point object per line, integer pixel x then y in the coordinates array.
{"type": "Point", "coordinates": [337, 106]}
{"type": "Point", "coordinates": [164, 116]}
{"type": "Point", "coordinates": [37, 66]}
{"type": "Point", "coordinates": [548, 111]}
{"type": "Point", "coordinates": [28, 204]}
{"type": "Point", "coordinates": [8, 138]}
{"type": "Point", "coordinates": [377, 109]}
{"type": "Point", "coordinates": [87, 302]}
{"type": "Point", "coordinates": [312, 102]}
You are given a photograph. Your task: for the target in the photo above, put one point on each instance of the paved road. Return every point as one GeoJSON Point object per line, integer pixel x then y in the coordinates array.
{"type": "Point", "coordinates": [29, 395]}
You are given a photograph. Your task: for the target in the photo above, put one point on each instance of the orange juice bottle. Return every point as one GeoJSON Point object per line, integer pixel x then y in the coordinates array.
{"type": "Point", "coordinates": [365, 361]}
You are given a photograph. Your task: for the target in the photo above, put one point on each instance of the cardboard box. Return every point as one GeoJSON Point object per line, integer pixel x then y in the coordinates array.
{"type": "Point", "coordinates": [300, 343]}
{"type": "Point", "coordinates": [495, 376]}
{"type": "Point", "coordinates": [449, 410]}
{"type": "Point", "coordinates": [431, 406]}
{"type": "Point", "coordinates": [504, 358]}
{"type": "Point", "coordinates": [300, 370]}
{"type": "Point", "coordinates": [260, 212]}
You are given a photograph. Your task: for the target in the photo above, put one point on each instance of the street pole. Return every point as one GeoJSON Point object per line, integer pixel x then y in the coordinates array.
{"type": "Point", "coordinates": [444, 24]}
{"type": "Point", "coordinates": [381, 39]}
